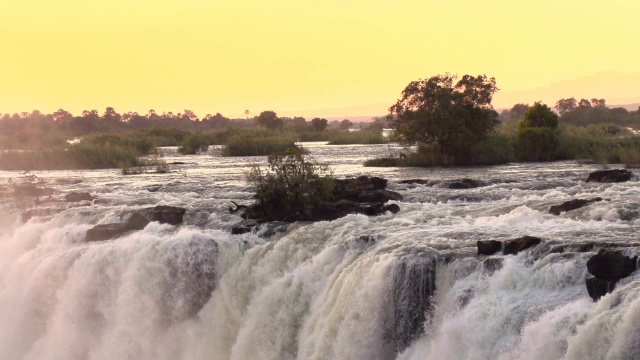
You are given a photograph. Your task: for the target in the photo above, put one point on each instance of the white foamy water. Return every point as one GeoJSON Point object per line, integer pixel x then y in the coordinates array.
{"type": "Point", "coordinates": [403, 286]}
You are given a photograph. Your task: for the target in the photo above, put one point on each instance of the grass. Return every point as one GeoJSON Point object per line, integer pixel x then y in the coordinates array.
{"type": "Point", "coordinates": [358, 137]}
{"type": "Point", "coordinates": [602, 144]}
{"type": "Point", "coordinates": [243, 145]}
{"type": "Point", "coordinates": [84, 155]}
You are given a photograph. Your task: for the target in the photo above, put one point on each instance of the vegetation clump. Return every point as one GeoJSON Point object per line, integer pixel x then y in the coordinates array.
{"type": "Point", "coordinates": [537, 138]}
{"type": "Point", "coordinates": [291, 188]}
{"type": "Point", "coordinates": [247, 144]}
{"type": "Point", "coordinates": [446, 116]}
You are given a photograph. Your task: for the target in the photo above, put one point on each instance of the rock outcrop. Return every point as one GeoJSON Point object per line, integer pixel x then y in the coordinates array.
{"type": "Point", "coordinates": [512, 247]}
{"type": "Point", "coordinates": [607, 267]}
{"type": "Point", "coordinates": [610, 176]}
{"type": "Point", "coordinates": [361, 195]}
{"type": "Point", "coordinates": [489, 247]}
{"type": "Point", "coordinates": [137, 221]}
{"type": "Point", "coordinates": [572, 205]}
{"type": "Point", "coordinates": [78, 196]}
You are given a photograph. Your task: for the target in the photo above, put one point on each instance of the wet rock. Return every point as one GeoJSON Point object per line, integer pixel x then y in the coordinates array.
{"type": "Point", "coordinates": [244, 226]}
{"type": "Point", "coordinates": [377, 196]}
{"type": "Point", "coordinates": [38, 212]}
{"type": "Point", "coordinates": [101, 232]}
{"type": "Point", "coordinates": [153, 188]}
{"type": "Point", "coordinates": [417, 181]}
{"type": "Point", "coordinates": [164, 214]}
{"type": "Point", "coordinates": [610, 176]}
{"type": "Point", "coordinates": [489, 247]}
{"type": "Point", "coordinates": [611, 265]}
{"type": "Point", "coordinates": [492, 264]}
{"type": "Point", "coordinates": [393, 208]}
{"type": "Point", "coordinates": [463, 184]}
{"type": "Point", "coordinates": [512, 247]}
{"type": "Point", "coordinates": [414, 283]}
{"type": "Point", "coordinates": [572, 205]}
{"type": "Point", "coordinates": [598, 288]}
{"type": "Point", "coordinates": [78, 196]}
{"type": "Point", "coordinates": [362, 195]}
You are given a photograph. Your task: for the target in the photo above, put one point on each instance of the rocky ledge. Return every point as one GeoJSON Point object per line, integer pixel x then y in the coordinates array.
{"type": "Point", "coordinates": [137, 221]}
{"type": "Point", "coordinates": [361, 195]}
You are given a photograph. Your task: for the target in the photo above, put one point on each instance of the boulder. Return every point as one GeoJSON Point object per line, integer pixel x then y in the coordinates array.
{"type": "Point", "coordinates": [597, 288]}
{"type": "Point", "coordinates": [164, 214]}
{"type": "Point", "coordinates": [78, 196]}
{"type": "Point", "coordinates": [417, 181]}
{"type": "Point", "coordinates": [377, 196]}
{"type": "Point", "coordinates": [463, 184]}
{"type": "Point", "coordinates": [572, 205]}
{"type": "Point", "coordinates": [610, 176]}
{"type": "Point", "coordinates": [101, 232]}
{"type": "Point", "coordinates": [244, 226]}
{"type": "Point", "coordinates": [393, 208]}
{"type": "Point", "coordinates": [512, 247]}
{"type": "Point", "coordinates": [488, 247]}
{"type": "Point", "coordinates": [611, 265]}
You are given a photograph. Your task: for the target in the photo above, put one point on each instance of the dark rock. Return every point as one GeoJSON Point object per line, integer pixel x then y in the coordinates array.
{"type": "Point", "coordinates": [571, 205]}
{"type": "Point", "coordinates": [393, 208]}
{"type": "Point", "coordinates": [377, 196]}
{"type": "Point", "coordinates": [611, 265]}
{"type": "Point", "coordinates": [164, 214]}
{"type": "Point", "coordinates": [489, 247]}
{"type": "Point", "coordinates": [136, 221]}
{"type": "Point", "coordinates": [177, 163]}
{"type": "Point", "coordinates": [598, 288]}
{"type": "Point", "coordinates": [153, 188]}
{"type": "Point", "coordinates": [106, 231]}
{"type": "Point", "coordinates": [244, 226]}
{"type": "Point", "coordinates": [492, 264]}
{"type": "Point", "coordinates": [414, 284]}
{"type": "Point", "coordinates": [512, 247]}
{"type": "Point", "coordinates": [37, 212]}
{"type": "Point", "coordinates": [416, 181]}
{"type": "Point", "coordinates": [238, 207]}
{"type": "Point", "coordinates": [610, 176]}
{"type": "Point", "coordinates": [78, 196]}
{"type": "Point", "coordinates": [463, 184]}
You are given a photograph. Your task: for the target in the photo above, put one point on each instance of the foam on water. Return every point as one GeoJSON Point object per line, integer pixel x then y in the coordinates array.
{"type": "Point", "coordinates": [405, 286]}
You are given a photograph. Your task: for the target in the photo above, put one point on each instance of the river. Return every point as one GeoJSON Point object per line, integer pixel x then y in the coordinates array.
{"type": "Point", "coordinates": [396, 286]}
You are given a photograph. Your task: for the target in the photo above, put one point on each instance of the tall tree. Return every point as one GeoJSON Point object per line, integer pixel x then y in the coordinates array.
{"type": "Point", "coordinates": [269, 120]}
{"type": "Point", "coordinates": [447, 114]}
{"type": "Point", "coordinates": [566, 105]}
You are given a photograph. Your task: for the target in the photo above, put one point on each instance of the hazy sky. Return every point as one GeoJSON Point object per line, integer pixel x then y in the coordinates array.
{"type": "Point", "coordinates": [347, 56]}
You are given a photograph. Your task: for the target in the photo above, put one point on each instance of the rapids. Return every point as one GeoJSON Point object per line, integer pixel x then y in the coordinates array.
{"type": "Point", "coordinates": [405, 286]}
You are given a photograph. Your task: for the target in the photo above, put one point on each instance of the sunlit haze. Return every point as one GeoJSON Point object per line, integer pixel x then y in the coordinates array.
{"type": "Point", "coordinates": [329, 58]}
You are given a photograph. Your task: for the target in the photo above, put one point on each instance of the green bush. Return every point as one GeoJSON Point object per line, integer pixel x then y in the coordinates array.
{"type": "Point", "coordinates": [537, 144]}
{"type": "Point", "coordinates": [292, 185]}
{"type": "Point", "coordinates": [358, 137]}
{"type": "Point", "coordinates": [193, 144]}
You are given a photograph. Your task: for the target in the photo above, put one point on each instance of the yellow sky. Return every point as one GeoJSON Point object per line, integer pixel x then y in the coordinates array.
{"type": "Point", "coordinates": [311, 58]}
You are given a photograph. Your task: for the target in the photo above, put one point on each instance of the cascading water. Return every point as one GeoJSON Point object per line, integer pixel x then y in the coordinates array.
{"type": "Point", "coordinates": [403, 286]}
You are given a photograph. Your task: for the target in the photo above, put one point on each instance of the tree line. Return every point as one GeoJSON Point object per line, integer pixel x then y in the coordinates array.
{"type": "Point", "coordinates": [452, 122]}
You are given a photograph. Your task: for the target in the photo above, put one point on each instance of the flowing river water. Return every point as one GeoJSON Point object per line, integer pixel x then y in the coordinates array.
{"type": "Point", "coordinates": [397, 286]}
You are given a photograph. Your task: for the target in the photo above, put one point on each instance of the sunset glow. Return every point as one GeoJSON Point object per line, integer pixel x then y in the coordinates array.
{"type": "Point", "coordinates": [332, 58]}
